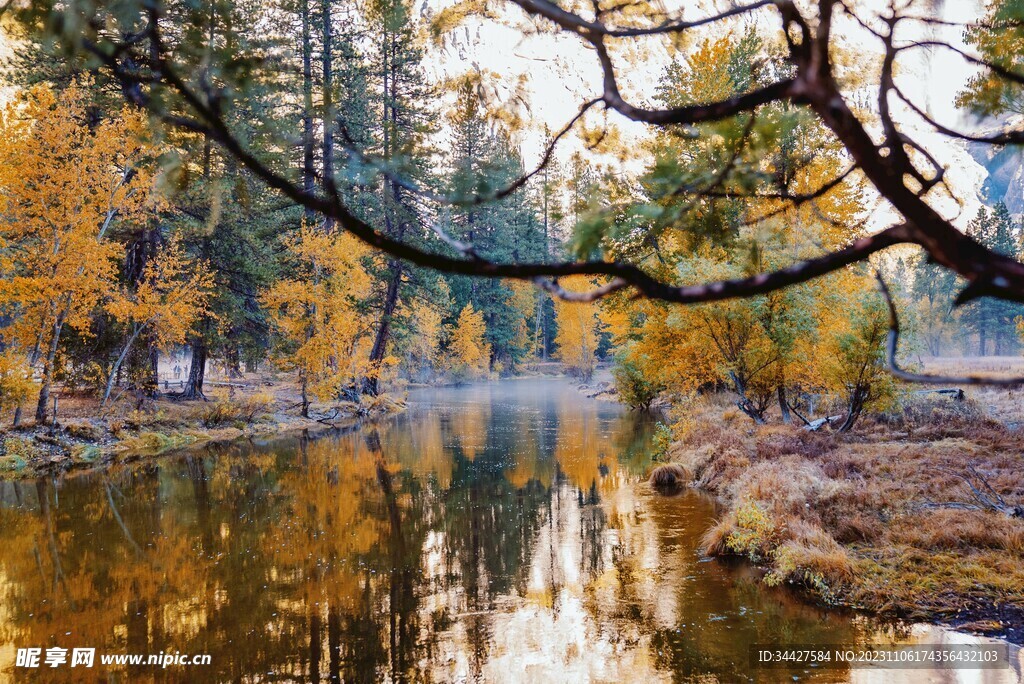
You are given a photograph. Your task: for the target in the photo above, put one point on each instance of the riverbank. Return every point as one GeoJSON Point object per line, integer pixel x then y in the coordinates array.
{"type": "Point", "coordinates": [916, 514]}
{"type": "Point", "coordinates": [88, 435]}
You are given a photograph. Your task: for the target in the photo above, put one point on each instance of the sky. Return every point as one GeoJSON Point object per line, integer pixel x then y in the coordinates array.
{"type": "Point", "coordinates": [557, 72]}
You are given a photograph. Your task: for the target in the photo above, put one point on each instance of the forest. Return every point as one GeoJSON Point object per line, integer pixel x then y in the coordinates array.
{"type": "Point", "coordinates": [752, 223]}
{"type": "Point", "coordinates": [178, 245]}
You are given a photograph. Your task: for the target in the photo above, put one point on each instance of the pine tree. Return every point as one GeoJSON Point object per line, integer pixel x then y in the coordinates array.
{"type": "Point", "coordinates": [992, 319]}
{"type": "Point", "coordinates": [483, 161]}
{"type": "Point", "coordinates": [400, 105]}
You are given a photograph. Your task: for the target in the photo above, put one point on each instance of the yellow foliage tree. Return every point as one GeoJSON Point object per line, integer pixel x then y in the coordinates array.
{"type": "Point", "coordinates": [427, 320]}
{"type": "Point", "coordinates": [850, 354]}
{"type": "Point", "coordinates": [15, 379]}
{"type": "Point", "coordinates": [470, 353]}
{"type": "Point", "coordinates": [579, 330]}
{"type": "Point", "coordinates": [62, 185]}
{"type": "Point", "coordinates": [171, 296]}
{"type": "Point", "coordinates": [316, 315]}
{"type": "Point", "coordinates": [426, 343]}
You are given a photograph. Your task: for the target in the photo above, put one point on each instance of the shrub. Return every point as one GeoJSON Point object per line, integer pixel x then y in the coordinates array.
{"type": "Point", "coordinates": [754, 534]}
{"type": "Point", "coordinates": [661, 442]}
{"type": "Point", "coordinates": [635, 390]}
{"type": "Point", "coordinates": [668, 477]}
{"type": "Point", "coordinates": [246, 410]}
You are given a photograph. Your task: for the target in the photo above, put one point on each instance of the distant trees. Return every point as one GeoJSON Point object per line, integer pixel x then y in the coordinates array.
{"type": "Point", "coordinates": [984, 327]}
{"type": "Point", "coordinates": [116, 248]}
{"type": "Point", "coordinates": [579, 328]}
{"type": "Point", "coordinates": [754, 176]}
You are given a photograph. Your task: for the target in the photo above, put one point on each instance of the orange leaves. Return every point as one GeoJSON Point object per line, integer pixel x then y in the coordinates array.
{"type": "Point", "coordinates": [471, 354]}
{"type": "Point", "coordinates": [315, 313]}
{"type": "Point", "coordinates": [172, 295]}
{"type": "Point", "coordinates": [15, 378]}
{"type": "Point", "coordinates": [425, 345]}
{"type": "Point", "coordinates": [579, 328]}
{"type": "Point", "coordinates": [63, 186]}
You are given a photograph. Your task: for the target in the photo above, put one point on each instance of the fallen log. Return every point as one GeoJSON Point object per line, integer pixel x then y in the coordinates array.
{"type": "Point", "coordinates": [954, 393]}
{"type": "Point", "coordinates": [815, 425]}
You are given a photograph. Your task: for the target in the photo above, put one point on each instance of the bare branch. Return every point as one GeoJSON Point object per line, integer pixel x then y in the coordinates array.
{"type": "Point", "coordinates": [978, 61]}
{"type": "Point", "coordinates": [475, 200]}
{"type": "Point", "coordinates": [577, 24]}
{"type": "Point", "coordinates": [1012, 137]}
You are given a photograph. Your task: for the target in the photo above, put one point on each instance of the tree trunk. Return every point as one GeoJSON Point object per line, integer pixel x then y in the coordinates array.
{"type": "Point", "coordinates": [858, 396]}
{"type": "Point", "coordinates": [305, 395]}
{"type": "Point", "coordinates": [117, 366]}
{"type": "Point", "coordinates": [196, 370]}
{"type": "Point", "coordinates": [538, 339]}
{"type": "Point", "coordinates": [784, 405]}
{"type": "Point", "coordinates": [153, 369]}
{"type": "Point", "coordinates": [47, 375]}
{"type": "Point", "coordinates": [371, 383]}
{"type": "Point", "coordinates": [308, 172]}
{"type": "Point", "coordinates": [744, 404]}
{"type": "Point", "coordinates": [328, 113]}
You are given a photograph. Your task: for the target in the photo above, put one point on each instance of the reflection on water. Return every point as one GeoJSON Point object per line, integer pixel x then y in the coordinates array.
{"type": "Point", "coordinates": [496, 532]}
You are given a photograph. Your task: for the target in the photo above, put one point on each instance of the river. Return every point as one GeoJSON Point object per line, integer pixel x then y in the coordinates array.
{"type": "Point", "coordinates": [493, 532]}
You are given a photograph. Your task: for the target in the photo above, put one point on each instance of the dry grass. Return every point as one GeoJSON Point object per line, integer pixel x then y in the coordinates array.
{"type": "Point", "coordinates": [668, 476]}
{"type": "Point", "coordinates": [1006, 406]}
{"type": "Point", "coordinates": [860, 518]}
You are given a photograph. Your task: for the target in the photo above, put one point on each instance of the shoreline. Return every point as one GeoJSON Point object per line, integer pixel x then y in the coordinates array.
{"type": "Point", "coordinates": [851, 522]}
{"type": "Point", "coordinates": [81, 444]}
{"type": "Point", "coordinates": [776, 486]}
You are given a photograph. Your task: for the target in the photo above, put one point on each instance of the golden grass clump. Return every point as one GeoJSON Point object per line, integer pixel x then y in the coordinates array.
{"type": "Point", "coordinates": [668, 477]}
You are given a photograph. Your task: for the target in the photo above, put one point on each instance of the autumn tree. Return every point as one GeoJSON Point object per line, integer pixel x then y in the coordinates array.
{"type": "Point", "coordinates": [315, 313]}
{"type": "Point", "coordinates": [579, 329]}
{"type": "Point", "coordinates": [15, 379]}
{"type": "Point", "coordinates": [469, 351]}
{"type": "Point", "coordinates": [171, 296]}
{"type": "Point", "coordinates": [63, 183]}
{"type": "Point", "coordinates": [850, 353]}
{"type": "Point", "coordinates": [427, 320]}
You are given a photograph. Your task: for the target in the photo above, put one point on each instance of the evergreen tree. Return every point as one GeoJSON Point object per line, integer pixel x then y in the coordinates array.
{"type": "Point", "coordinates": [992, 320]}
{"type": "Point", "coordinates": [400, 106]}
{"type": "Point", "coordinates": [508, 230]}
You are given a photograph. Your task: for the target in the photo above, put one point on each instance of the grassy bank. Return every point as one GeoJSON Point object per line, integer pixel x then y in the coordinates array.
{"type": "Point", "coordinates": [87, 434]}
{"type": "Point", "coordinates": [893, 518]}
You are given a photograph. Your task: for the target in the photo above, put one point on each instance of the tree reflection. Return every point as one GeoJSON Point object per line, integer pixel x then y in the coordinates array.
{"type": "Point", "coordinates": [483, 534]}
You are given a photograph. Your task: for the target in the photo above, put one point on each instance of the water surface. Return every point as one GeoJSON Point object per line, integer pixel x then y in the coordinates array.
{"type": "Point", "coordinates": [498, 532]}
